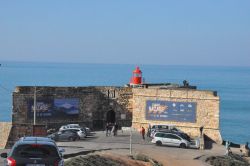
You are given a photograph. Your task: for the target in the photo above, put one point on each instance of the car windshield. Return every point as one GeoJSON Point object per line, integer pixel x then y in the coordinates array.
{"type": "Point", "coordinates": [185, 136]}
{"type": "Point", "coordinates": [35, 151]}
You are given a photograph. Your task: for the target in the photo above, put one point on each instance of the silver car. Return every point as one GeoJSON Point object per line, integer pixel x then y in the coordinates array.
{"type": "Point", "coordinates": [81, 132]}
{"type": "Point", "coordinates": [170, 139]}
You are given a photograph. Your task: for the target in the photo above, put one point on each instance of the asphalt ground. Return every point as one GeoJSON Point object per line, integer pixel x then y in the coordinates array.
{"type": "Point", "coordinates": [99, 142]}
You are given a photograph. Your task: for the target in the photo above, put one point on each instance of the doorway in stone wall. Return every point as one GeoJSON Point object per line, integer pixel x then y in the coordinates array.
{"type": "Point", "coordinates": [110, 116]}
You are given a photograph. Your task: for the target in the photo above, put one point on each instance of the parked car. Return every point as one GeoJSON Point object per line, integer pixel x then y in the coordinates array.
{"type": "Point", "coordinates": [195, 143]}
{"type": "Point", "coordinates": [170, 139]}
{"type": "Point", "coordinates": [163, 128]}
{"type": "Point", "coordinates": [69, 126]}
{"type": "Point", "coordinates": [75, 126]}
{"type": "Point", "coordinates": [81, 132]}
{"type": "Point", "coordinates": [65, 135]}
{"type": "Point", "coordinates": [34, 151]}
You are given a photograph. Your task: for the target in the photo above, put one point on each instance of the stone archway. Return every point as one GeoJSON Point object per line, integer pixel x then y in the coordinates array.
{"type": "Point", "coordinates": [110, 116]}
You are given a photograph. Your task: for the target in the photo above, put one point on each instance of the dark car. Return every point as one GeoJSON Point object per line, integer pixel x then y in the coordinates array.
{"type": "Point", "coordinates": [66, 135]}
{"type": "Point", "coordinates": [34, 151]}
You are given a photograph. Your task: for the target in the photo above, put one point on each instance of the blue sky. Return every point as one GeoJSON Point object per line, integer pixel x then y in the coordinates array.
{"type": "Point", "coordinates": [181, 32]}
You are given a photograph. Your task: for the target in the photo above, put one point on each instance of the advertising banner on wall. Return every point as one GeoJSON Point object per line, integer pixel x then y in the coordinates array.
{"type": "Point", "coordinates": [171, 111]}
{"type": "Point", "coordinates": [54, 107]}
{"type": "Point", "coordinates": [44, 108]}
{"type": "Point", "coordinates": [68, 106]}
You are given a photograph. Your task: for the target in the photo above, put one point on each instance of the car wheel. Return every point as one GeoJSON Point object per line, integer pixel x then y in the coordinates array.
{"type": "Point", "coordinates": [158, 143]}
{"type": "Point", "coordinates": [182, 145]}
{"type": "Point", "coordinates": [71, 139]}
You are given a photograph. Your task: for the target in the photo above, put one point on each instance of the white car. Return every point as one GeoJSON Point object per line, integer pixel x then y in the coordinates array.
{"type": "Point", "coordinates": [69, 126]}
{"type": "Point", "coordinates": [195, 143]}
{"type": "Point", "coordinates": [81, 133]}
{"type": "Point", "coordinates": [170, 139]}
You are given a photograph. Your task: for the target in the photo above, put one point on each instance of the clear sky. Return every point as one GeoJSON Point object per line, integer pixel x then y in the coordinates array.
{"type": "Point", "coordinates": [174, 32]}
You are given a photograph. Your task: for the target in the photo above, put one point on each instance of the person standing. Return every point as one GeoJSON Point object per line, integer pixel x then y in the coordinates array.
{"type": "Point", "coordinates": [149, 131]}
{"type": "Point", "coordinates": [143, 133]}
{"type": "Point", "coordinates": [201, 130]}
{"type": "Point", "coordinates": [201, 140]}
{"type": "Point", "coordinates": [246, 150]}
{"type": "Point", "coordinates": [107, 129]}
{"type": "Point", "coordinates": [227, 147]}
{"type": "Point", "coordinates": [116, 129]}
{"type": "Point", "coordinates": [113, 130]}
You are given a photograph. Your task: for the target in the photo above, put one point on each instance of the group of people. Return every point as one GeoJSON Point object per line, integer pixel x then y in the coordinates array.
{"type": "Point", "coordinates": [111, 128]}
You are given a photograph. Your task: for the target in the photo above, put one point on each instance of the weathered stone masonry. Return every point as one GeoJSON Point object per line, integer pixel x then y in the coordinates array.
{"type": "Point", "coordinates": [207, 111]}
{"type": "Point", "coordinates": [95, 104]}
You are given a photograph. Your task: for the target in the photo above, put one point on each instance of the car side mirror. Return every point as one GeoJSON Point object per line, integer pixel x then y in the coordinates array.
{"type": "Point", "coordinates": [4, 155]}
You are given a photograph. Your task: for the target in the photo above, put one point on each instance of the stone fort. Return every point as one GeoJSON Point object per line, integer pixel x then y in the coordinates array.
{"type": "Point", "coordinates": [185, 107]}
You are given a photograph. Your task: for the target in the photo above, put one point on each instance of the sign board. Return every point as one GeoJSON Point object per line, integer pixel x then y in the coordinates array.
{"type": "Point", "coordinates": [69, 106]}
{"type": "Point", "coordinates": [171, 111]}
{"type": "Point", "coordinates": [54, 107]}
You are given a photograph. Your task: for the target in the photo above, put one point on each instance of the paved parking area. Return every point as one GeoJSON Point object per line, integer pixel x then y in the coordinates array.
{"type": "Point", "coordinates": [121, 144]}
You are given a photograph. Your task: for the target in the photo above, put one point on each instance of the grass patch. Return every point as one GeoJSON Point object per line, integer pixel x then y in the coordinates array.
{"type": "Point", "coordinates": [91, 160]}
{"type": "Point", "coordinates": [232, 160]}
{"type": "Point", "coordinates": [144, 158]}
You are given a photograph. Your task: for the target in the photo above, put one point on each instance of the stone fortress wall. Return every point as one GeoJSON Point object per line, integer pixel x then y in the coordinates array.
{"type": "Point", "coordinates": [207, 109]}
{"type": "Point", "coordinates": [126, 105]}
{"type": "Point", "coordinates": [95, 104]}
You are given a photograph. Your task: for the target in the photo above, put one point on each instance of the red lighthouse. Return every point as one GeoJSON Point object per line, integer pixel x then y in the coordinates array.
{"type": "Point", "coordinates": [137, 77]}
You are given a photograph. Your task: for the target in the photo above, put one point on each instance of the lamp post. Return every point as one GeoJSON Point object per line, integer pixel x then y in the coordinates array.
{"type": "Point", "coordinates": [34, 106]}
{"type": "Point", "coordinates": [130, 141]}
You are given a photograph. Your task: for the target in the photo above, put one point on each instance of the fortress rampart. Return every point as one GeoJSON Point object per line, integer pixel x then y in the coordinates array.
{"type": "Point", "coordinates": [188, 109]}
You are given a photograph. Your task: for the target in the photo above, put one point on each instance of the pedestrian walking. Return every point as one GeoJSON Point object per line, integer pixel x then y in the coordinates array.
{"type": "Point", "coordinates": [143, 133]}
{"type": "Point", "coordinates": [116, 129]}
{"type": "Point", "coordinates": [113, 130]}
{"type": "Point", "coordinates": [107, 129]}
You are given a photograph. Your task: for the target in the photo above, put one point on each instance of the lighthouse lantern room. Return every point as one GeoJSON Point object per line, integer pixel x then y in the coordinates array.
{"type": "Point", "coordinates": [137, 77]}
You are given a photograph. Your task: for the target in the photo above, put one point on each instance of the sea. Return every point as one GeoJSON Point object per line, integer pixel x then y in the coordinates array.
{"type": "Point", "coordinates": [231, 83]}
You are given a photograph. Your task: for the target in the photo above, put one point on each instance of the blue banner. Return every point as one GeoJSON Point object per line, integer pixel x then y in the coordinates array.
{"type": "Point", "coordinates": [171, 111]}
{"type": "Point", "coordinates": [44, 108]}
{"type": "Point", "coordinates": [68, 106]}
{"type": "Point", "coordinates": [54, 108]}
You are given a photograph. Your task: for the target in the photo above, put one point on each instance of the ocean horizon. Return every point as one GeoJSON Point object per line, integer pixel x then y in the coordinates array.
{"type": "Point", "coordinates": [231, 82]}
